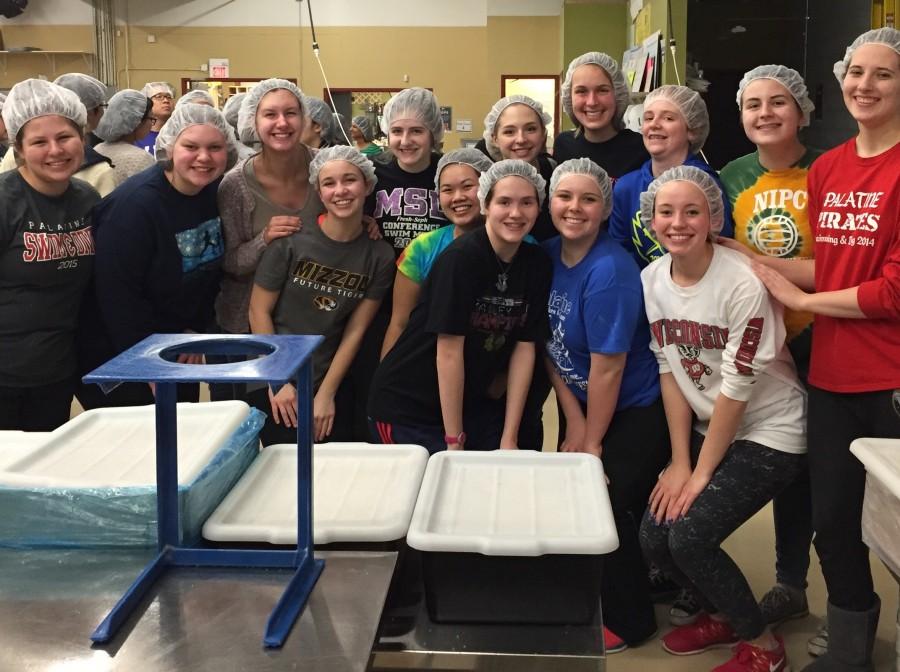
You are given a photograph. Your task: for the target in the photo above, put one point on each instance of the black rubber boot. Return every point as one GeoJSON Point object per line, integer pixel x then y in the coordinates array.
{"type": "Point", "coordinates": [851, 636]}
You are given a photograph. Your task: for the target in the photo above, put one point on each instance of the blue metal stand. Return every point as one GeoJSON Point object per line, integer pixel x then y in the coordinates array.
{"type": "Point", "coordinates": [153, 360]}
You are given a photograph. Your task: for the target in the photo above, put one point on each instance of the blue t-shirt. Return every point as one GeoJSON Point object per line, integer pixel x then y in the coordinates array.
{"type": "Point", "coordinates": [625, 226]}
{"type": "Point", "coordinates": [597, 306]}
{"type": "Point", "coordinates": [148, 143]}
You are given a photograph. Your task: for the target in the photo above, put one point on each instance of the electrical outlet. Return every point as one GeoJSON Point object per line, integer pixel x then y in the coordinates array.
{"type": "Point", "coordinates": [151, 39]}
{"type": "Point", "coordinates": [204, 67]}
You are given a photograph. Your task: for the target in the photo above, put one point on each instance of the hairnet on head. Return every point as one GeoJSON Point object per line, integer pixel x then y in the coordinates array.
{"type": "Point", "coordinates": [588, 168]}
{"type": "Point", "coordinates": [342, 153]}
{"type": "Point", "coordinates": [232, 107]}
{"type": "Point", "coordinates": [33, 98]}
{"type": "Point", "coordinates": [125, 112]}
{"type": "Point", "coordinates": [246, 117]}
{"type": "Point", "coordinates": [196, 97]}
{"type": "Point", "coordinates": [702, 180]}
{"type": "Point", "coordinates": [2, 100]}
{"type": "Point", "coordinates": [889, 37]}
{"type": "Point", "coordinates": [510, 168]}
{"type": "Point", "coordinates": [415, 103]}
{"type": "Point", "coordinates": [788, 78]}
{"type": "Point", "coordinates": [320, 113]}
{"type": "Point", "coordinates": [468, 156]}
{"type": "Point", "coordinates": [691, 106]}
{"type": "Point", "coordinates": [490, 121]}
{"type": "Point", "coordinates": [611, 68]}
{"type": "Point", "coordinates": [154, 88]}
{"type": "Point", "coordinates": [91, 92]}
{"type": "Point", "coordinates": [191, 114]}
{"type": "Point", "coordinates": [364, 126]}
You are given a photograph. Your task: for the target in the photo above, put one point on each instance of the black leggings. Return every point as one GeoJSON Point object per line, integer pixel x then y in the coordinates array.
{"type": "Point", "coordinates": [689, 549]}
{"type": "Point", "coordinates": [838, 481]}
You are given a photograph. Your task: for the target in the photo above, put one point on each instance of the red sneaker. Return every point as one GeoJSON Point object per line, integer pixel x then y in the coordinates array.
{"type": "Point", "coordinates": [704, 633]}
{"type": "Point", "coordinates": [749, 658]}
{"type": "Point", "coordinates": [612, 642]}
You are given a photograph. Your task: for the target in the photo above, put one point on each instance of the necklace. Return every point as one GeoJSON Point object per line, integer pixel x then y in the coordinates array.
{"type": "Point", "coordinates": [503, 276]}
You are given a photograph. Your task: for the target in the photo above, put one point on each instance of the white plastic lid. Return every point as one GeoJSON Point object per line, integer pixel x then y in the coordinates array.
{"type": "Point", "coordinates": [881, 458]}
{"type": "Point", "coordinates": [116, 447]}
{"type": "Point", "coordinates": [361, 493]}
{"type": "Point", "coordinates": [518, 503]}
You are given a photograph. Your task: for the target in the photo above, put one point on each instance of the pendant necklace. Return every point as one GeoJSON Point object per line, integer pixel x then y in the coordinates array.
{"type": "Point", "coordinates": [503, 276]}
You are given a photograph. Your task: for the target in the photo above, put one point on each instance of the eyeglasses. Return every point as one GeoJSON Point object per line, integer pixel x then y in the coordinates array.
{"type": "Point", "coordinates": [161, 96]}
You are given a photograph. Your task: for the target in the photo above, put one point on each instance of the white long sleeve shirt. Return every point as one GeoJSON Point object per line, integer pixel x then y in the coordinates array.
{"type": "Point", "coordinates": [725, 335]}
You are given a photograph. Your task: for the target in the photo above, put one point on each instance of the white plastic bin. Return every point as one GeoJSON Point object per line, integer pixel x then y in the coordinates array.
{"type": "Point", "coordinates": [513, 536]}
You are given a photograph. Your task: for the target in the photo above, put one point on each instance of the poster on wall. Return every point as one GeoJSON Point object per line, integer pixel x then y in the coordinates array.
{"type": "Point", "coordinates": [446, 117]}
{"type": "Point", "coordinates": [653, 62]}
{"type": "Point", "coordinates": [633, 67]}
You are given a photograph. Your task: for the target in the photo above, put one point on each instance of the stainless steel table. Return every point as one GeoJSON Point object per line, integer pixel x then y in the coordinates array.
{"type": "Point", "coordinates": [193, 621]}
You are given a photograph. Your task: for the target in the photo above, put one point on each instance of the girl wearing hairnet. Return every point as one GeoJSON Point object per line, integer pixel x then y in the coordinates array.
{"type": "Point", "coordinates": [606, 380]}
{"type": "Point", "coordinates": [264, 198]}
{"type": "Point", "coordinates": [327, 279]}
{"type": "Point", "coordinates": [457, 184]}
{"type": "Point", "coordinates": [404, 203]}
{"type": "Point", "coordinates": [362, 134]}
{"type": "Point", "coordinates": [46, 255]}
{"type": "Point", "coordinates": [735, 411]}
{"type": "Point", "coordinates": [852, 287]}
{"type": "Point", "coordinates": [768, 198]}
{"type": "Point", "coordinates": [159, 250]}
{"type": "Point", "coordinates": [481, 311]}
{"type": "Point", "coordinates": [163, 97]}
{"type": "Point", "coordinates": [675, 126]}
{"type": "Point", "coordinates": [126, 121]}
{"type": "Point", "coordinates": [4, 136]}
{"type": "Point", "coordinates": [595, 96]}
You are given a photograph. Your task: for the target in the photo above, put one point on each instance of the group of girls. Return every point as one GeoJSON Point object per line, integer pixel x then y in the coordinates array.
{"type": "Point", "coordinates": [450, 305]}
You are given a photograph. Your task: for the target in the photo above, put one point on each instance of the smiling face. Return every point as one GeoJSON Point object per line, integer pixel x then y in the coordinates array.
{"type": "Point", "coordinates": [52, 150]}
{"type": "Point", "coordinates": [459, 195]}
{"type": "Point", "coordinates": [342, 189]}
{"type": "Point", "coordinates": [410, 142]}
{"type": "Point", "coordinates": [279, 121]}
{"type": "Point", "coordinates": [665, 131]}
{"type": "Point", "coordinates": [594, 102]}
{"type": "Point", "coordinates": [769, 114]}
{"type": "Point", "coordinates": [519, 133]}
{"type": "Point", "coordinates": [511, 211]}
{"type": "Point", "coordinates": [577, 208]}
{"type": "Point", "coordinates": [681, 219]}
{"type": "Point", "coordinates": [871, 86]}
{"type": "Point", "coordinates": [199, 157]}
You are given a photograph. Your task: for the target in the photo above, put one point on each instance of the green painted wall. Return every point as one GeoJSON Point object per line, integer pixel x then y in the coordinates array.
{"type": "Point", "coordinates": [659, 21]}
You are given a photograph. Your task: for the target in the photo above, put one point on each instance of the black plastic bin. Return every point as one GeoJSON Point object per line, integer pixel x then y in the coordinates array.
{"type": "Point", "coordinates": [542, 590]}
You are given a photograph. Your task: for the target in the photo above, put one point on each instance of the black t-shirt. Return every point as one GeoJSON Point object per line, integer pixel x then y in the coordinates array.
{"type": "Point", "coordinates": [463, 295]}
{"type": "Point", "coordinates": [543, 225]}
{"type": "Point", "coordinates": [405, 204]}
{"type": "Point", "coordinates": [46, 258]}
{"type": "Point", "coordinates": [622, 154]}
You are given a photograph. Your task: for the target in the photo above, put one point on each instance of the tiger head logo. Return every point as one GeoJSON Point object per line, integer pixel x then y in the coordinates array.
{"type": "Point", "coordinates": [325, 303]}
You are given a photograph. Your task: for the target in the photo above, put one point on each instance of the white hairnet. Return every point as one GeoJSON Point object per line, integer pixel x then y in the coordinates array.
{"type": "Point", "coordinates": [364, 126]}
{"type": "Point", "coordinates": [196, 97]}
{"type": "Point", "coordinates": [510, 168]}
{"type": "Point", "coordinates": [691, 106]}
{"type": "Point", "coordinates": [125, 112]}
{"type": "Point", "coordinates": [246, 119]}
{"type": "Point", "coordinates": [611, 68]}
{"type": "Point", "coordinates": [490, 121]}
{"type": "Point", "coordinates": [153, 88]}
{"type": "Point", "coordinates": [696, 176]}
{"type": "Point", "coordinates": [889, 37]}
{"type": "Point", "coordinates": [2, 100]}
{"type": "Point", "coordinates": [342, 153]}
{"type": "Point", "coordinates": [91, 91]}
{"type": "Point", "coordinates": [320, 113]}
{"type": "Point", "coordinates": [585, 166]}
{"type": "Point", "coordinates": [232, 108]}
{"type": "Point", "coordinates": [469, 156]}
{"type": "Point", "coordinates": [191, 114]}
{"type": "Point", "coordinates": [414, 103]}
{"type": "Point", "coordinates": [788, 78]}
{"type": "Point", "coordinates": [33, 98]}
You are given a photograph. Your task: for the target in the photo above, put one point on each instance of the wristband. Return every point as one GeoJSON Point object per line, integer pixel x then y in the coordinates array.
{"type": "Point", "coordinates": [451, 440]}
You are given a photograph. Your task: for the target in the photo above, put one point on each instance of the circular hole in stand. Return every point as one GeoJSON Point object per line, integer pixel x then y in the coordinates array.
{"type": "Point", "coordinates": [218, 346]}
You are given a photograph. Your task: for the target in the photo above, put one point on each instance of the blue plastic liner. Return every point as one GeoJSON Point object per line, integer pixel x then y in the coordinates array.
{"type": "Point", "coordinates": [108, 517]}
